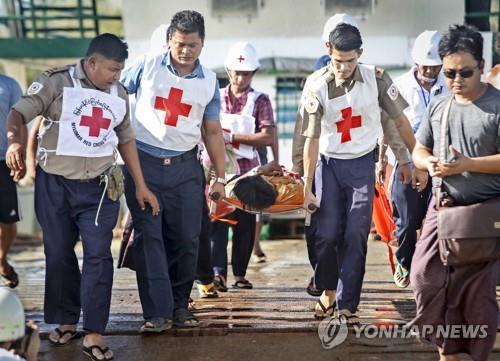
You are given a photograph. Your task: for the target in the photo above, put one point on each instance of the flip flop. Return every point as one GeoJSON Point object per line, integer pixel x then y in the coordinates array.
{"type": "Point", "coordinates": [12, 279]}
{"type": "Point", "coordinates": [260, 257]}
{"type": "Point", "coordinates": [207, 291]}
{"type": "Point", "coordinates": [313, 291]}
{"type": "Point", "coordinates": [155, 325]}
{"type": "Point", "coordinates": [88, 352]}
{"type": "Point", "coordinates": [74, 335]}
{"type": "Point", "coordinates": [347, 317]}
{"type": "Point", "coordinates": [324, 311]}
{"type": "Point", "coordinates": [220, 283]}
{"type": "Point", "coordinates": [181, 318]}
{"type": "Point", "coordinates": [244, 285]}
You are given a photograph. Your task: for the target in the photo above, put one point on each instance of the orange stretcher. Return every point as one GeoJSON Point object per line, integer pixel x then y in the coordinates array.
{"type": "Point", "coordinates": [382, 218]}
{"type": "Point", "coordinates": [290, 197]}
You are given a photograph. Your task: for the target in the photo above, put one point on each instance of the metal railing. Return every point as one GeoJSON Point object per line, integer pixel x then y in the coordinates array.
{"type": "Point", "coordinates": [37, 19]}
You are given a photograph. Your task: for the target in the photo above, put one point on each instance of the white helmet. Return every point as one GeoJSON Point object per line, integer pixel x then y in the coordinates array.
{"type": "Point", "coordinates": [12, 322]}
{"type": "Point", "coordinates": [335, 20]}
{"type": "Point", "coordinates": [425, 50]}
{"type": "Point", "coordinates": [242, 57]}
{"type": "Point", "coordinates": [158, 42]}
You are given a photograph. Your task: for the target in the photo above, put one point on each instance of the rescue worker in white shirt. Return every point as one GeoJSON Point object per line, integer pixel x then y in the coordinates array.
{"type": "Point", "coordinates": [177, 99]}
{"type": "Point", "coordinates": [86, 120]}
{"type": "Point", "coordinates": [417, 86]}
{"type": "Point", "coordinates": [247, 122]}
{"type": "Point", "coordinates": [341, 121]}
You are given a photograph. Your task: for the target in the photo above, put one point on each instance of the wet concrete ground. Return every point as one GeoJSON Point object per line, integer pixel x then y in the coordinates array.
{"type": "Point", "coordinates": [274, 321]}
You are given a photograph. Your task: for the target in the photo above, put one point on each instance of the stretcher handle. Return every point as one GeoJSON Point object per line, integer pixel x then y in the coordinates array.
{"type": "Point", "coordinates": [215, 196]}
{"type": "Point", "coordinates": [312, 207]}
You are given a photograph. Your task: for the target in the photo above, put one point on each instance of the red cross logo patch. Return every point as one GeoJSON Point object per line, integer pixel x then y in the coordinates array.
{"type": "Point", "coordinates": [95, 122]}
{"type": "Point", "coordinates": [173, 106]}
{"type": "Point", "coordinates": [241, 58]}
{"type": "Point", "coordinates": [347, 123]}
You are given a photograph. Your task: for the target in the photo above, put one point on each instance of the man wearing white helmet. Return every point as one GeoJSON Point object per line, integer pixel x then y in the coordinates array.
{"type": "Point", "coordinates": [247, 122]}
{"type": "Point", "coordinates": [15, 342]}
{"type": "Point", "coordinates": [340, 113]}
{"type": "Point", "coordinates": [417, 86]}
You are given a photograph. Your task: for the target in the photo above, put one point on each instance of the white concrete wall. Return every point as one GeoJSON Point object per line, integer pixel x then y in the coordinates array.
{"type": "Point", "coordinates": [293, 27]}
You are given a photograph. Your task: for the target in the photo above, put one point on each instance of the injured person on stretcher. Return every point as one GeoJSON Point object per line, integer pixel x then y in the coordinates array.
{"type": "Point", "coordinates": [266, 189]}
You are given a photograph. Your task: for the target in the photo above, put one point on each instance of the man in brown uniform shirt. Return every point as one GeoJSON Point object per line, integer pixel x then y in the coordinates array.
{"type": "Point", "coordinates": [86, 119]}
{"type": "Point", "coordinates": [341, 121]}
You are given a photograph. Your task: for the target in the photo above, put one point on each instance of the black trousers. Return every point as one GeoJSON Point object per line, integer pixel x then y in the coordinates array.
{"type": "Point", "coordinates": [166, 246]}
{"type": "Point", "coordinates": [243, 237]}
{"type": "Point", "coordinates": [205, 272]}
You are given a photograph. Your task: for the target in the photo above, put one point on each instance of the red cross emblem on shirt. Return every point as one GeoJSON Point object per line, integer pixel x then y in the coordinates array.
{"type": "Point", "coordinates": [241, 58]}
{"type": "Point", "coordinates": [95, 122]}
{"type": "Point", "coordinates": [347, 123]}
{"type": "Point", "coordinates": [173, 106]}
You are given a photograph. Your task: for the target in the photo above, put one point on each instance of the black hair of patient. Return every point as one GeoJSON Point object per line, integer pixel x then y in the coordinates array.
{"type": "Point", "coordinates": [255, 192]}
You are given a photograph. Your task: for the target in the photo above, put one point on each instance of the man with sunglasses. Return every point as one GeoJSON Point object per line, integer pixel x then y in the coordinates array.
{"type": "Point", "coordinates": [410, 201]}
{"type": "Point", "coordinates": [340, 111]}
{"type": "Point", "coordinates": [464, 295]}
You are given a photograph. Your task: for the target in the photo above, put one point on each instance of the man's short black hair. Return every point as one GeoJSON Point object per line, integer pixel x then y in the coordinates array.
{"type": "Point", "coordinates": [186, 22]}
{"type": "Point", "coordinates": [345, 37]}
{"type": "Point", "coordinates": [255, 192]}
{"type": "Point", "coordinates": [464, 38]}
{"type": "Point", "coordinates": [110, 46]}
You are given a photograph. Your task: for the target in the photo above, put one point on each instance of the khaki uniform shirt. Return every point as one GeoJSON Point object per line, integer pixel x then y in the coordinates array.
{"type": "Point", "coordinates": [309, 124]}
{"type": "Point", "coordinates": [45, 97]}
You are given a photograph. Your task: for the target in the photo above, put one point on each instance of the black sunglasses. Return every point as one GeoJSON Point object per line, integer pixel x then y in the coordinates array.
{"type": "Point", "coordinates": [452, 73]}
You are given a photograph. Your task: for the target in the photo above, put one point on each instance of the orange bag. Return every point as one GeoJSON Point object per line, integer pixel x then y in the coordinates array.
{"type": "Point", "coordinates": [382, 218]}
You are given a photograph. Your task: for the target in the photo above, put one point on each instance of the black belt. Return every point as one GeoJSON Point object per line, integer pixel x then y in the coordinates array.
{"type": "Point", "coordinates": [171, 160]}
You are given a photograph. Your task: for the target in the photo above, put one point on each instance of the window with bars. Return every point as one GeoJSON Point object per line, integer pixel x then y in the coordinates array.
{"type": "Point", "coordinates": [351, 7]}
{"type": "Point", "coordinates": [288, 93]}
{"type": "Point", "coordinates": [234, 8]}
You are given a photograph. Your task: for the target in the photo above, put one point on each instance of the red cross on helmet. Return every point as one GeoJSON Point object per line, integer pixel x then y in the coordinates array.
{"type": "Point", "coordinates": [242, 57]}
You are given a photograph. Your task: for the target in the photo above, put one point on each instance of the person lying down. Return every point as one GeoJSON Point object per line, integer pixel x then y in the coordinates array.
{"type": "Point", "coordinates": [266, 189]}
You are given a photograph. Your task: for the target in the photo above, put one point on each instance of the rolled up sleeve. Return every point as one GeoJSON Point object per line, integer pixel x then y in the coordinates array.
{"type": "Point", "coordinates": [264, 112]}
{"type": "Point", "coordinates": [389, 98]}
{"type": "Point", "coordinates": [311, 112]}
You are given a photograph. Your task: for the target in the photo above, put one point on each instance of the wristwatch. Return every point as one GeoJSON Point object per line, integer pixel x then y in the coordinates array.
{"type": "Point", "coordinates": [220, 180]}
